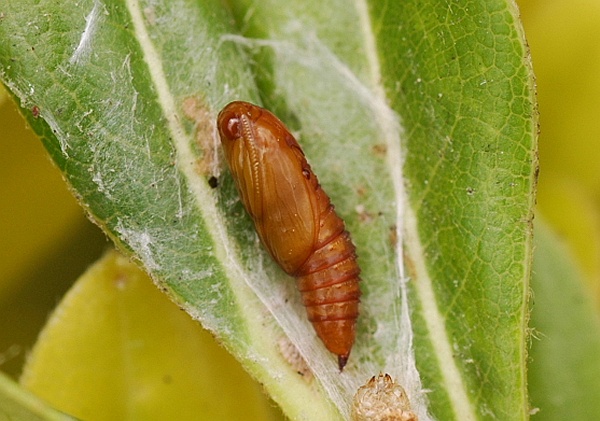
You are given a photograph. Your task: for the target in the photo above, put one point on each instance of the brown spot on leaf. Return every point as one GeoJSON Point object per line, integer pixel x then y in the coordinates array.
{"type": "Point", "coordinates": [195, 110]}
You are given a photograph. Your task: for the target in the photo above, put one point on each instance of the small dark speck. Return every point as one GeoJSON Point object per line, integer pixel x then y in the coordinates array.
{"type": "Point", "coordinates": [393, 235]}
{"type": "Point", "coordinates": [35, 111]}
{"type": "Point", "coordinates": [213, 182]}
{"type": "Point", "coordinates": [167, 379]}
{"type": "Point", "coordinates": [380, 149]}
{"type": "Point", "coordinates": [470, 191]}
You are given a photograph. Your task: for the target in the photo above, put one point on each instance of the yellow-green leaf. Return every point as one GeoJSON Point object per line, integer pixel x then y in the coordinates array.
{"type": "Point", "coordinates": [117, 349]}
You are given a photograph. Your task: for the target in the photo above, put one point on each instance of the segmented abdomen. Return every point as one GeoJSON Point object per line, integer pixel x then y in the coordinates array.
{"type": "Point", "coordinates": [329, 284]}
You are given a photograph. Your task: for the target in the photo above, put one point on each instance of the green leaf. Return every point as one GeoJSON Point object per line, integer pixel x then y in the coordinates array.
{"type": "Point", "coordinates": [565, 351]}
{"type": "Point", "coordinates": [418, 118]}
{"type": "Point", "coordinates": [18, 404]}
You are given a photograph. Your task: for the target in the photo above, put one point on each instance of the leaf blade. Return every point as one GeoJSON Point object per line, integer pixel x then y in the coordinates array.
{"type": "Point", "coordinates": [472, 201]}
{"type": "Point", "coordinates": [563, 375]}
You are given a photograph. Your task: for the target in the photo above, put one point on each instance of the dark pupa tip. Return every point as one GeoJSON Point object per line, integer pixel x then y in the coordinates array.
{"type": "Point", "coordinates": [342, 360]}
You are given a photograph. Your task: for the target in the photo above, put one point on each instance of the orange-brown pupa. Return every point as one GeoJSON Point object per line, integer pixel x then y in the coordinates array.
{"type": "Point", "coordinates": [295, 220]}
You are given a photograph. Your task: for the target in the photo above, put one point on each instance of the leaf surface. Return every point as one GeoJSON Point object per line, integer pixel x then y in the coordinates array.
{"type": "Point", "coordinates": [565, 350]}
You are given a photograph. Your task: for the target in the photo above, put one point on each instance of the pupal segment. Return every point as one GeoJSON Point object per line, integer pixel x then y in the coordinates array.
{"type": "Point", "coordinates": [294, 219]}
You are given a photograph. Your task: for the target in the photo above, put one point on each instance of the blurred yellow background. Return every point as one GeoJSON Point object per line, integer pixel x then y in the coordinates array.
{"type": "Point", "coordinates": [46, 240]}
{"type": "Point", "coordinates": [564, 38]}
